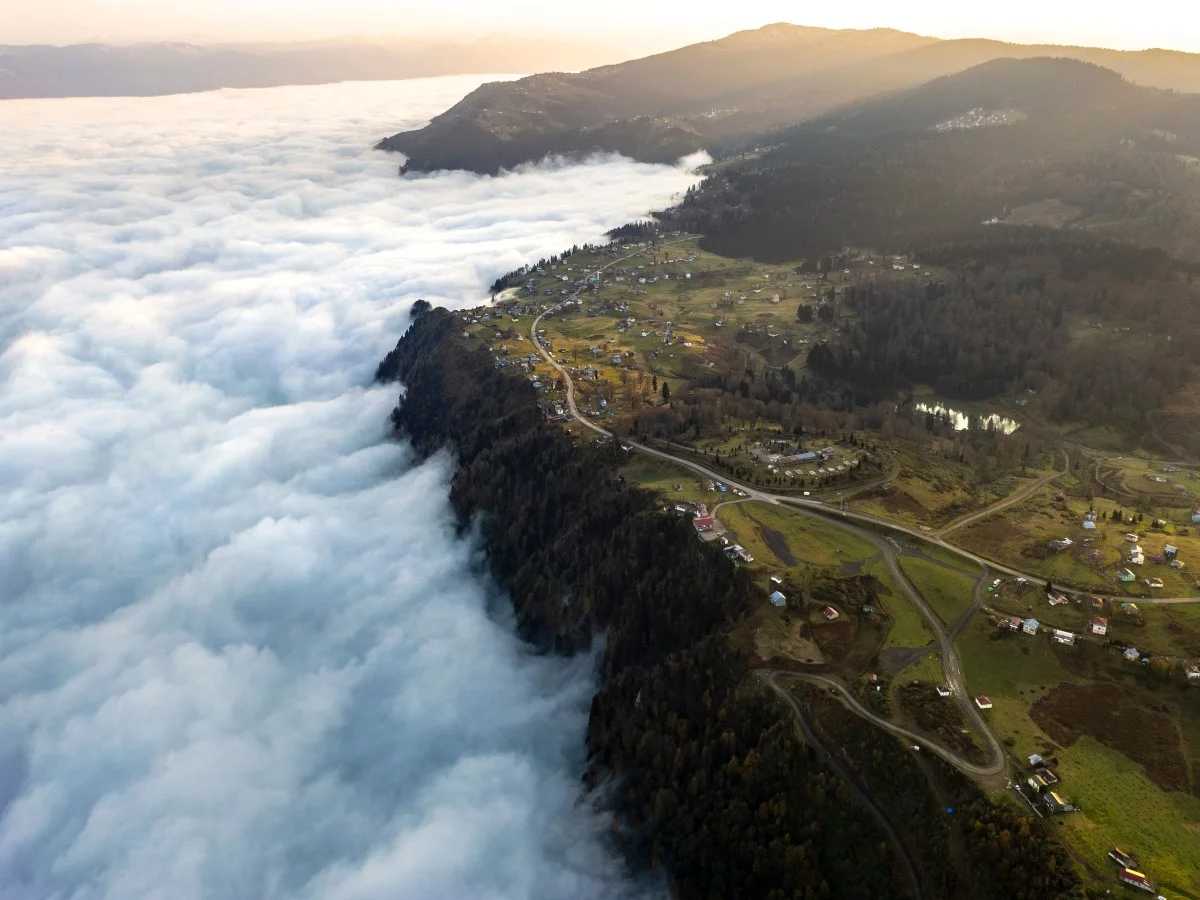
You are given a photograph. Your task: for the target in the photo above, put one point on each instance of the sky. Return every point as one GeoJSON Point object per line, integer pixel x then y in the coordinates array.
{"type": "Point", "coordinates": [637, 26]}
{"type": "Point", "coordinates": [244, 652]}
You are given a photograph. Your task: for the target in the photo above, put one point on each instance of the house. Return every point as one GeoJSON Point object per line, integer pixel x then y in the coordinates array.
{"type": "Point", "coordinates": [1061, 544]}
{"type": "Point", "coordinates": [1096, 602]}
{"type": "Point", "coordinates": [1099, 625]}
{"type": "Point", "coordinates": [1192, 671]}
{"type": "Point", "coordinates": [1155, 583]}
{"type": "Point", "coordinates": [1089, 525]}
{"type": "Point", "coordinates": [1046, 774]}
{"type": "Point", "coordinates": [1056, 599]}
{"type": "Point", "coordinates": [1014, 624]}
{"type": "Point", "coordinates": [1035, 784]}
{"type": "Point", "coordinates": [777, 599]}
{"type": "Point", "coordinates": [1036, 759]}
{"type": "Point", "coordinates": [1130, 609]}
{"type": "Point", "coordinates": [1196, 518]}
{"type": "Point", "coordinates": [1136, 879]}
{"type": "Point", "coordinates": [1122, 859]}
{"type": "Point", "coordinates": [1055, 803]}
{"type": "Point", "coordinates": [1133, 538]}
{"type": "Point", "coordinates": [1030, 626]}
{"type": "Point", "coordinates": [1126, 576]}
{"type": "Point", "coordinates": [703, 523]}
{"type": "Point", "coordinates": [1169, 552]}
{"type": "Point", "coordinates": [1062, 637]}
{"type": "Point", "coordinates": [1136, 555]}
{"type": "Point", "coordinates": [830, 613]}
{"type": "Point", "coordinates": [983, 702]}
{"type": "Point", "coordinates": [744, 555]}
{"type": "Point", "coordinates": [1131, 654]}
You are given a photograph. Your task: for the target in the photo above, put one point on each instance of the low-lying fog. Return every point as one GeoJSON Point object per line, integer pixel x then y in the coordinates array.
{"type": "Point", "coordinates": [242, 653]}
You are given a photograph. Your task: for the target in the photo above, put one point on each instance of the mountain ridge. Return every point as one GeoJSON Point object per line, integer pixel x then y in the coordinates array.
{"type": "Point", "coordinates": [716, 94]}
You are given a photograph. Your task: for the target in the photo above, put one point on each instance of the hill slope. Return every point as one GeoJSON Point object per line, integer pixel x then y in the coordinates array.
{"type": "Point", "coordinates": [708, 95]}
{"type": "Point", "coordinates": [1052, 142]}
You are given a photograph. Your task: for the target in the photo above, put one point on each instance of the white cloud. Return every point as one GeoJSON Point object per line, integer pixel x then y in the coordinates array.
{"type": "Point", "coordinates": [241, 653]}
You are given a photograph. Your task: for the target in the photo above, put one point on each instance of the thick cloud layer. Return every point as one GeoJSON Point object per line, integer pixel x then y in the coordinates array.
{"type": "Point", "coordinates": [242, 652]}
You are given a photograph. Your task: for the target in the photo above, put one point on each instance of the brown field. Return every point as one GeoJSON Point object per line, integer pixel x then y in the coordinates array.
{"type": "Point", "coordinates": [1117, 717]}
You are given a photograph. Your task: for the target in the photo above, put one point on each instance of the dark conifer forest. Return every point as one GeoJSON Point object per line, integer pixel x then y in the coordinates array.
{"type": "Point", "coordinates": [706, 776]}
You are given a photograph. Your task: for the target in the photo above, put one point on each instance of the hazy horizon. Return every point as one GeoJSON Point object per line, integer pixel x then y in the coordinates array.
{"type": "Point", "coordinates": [623, 25]}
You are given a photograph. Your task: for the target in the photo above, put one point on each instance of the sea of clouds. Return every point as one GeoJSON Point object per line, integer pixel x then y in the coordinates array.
{"type": "Point", "coordinates": [243, 653]}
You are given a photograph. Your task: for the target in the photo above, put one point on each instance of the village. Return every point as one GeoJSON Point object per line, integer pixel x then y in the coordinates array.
{"type": "Point", "coordinates": [1036, 649]}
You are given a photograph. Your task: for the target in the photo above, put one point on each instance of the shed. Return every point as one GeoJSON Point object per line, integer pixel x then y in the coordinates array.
{"type": "Point", "coordinates": [830, 613]}
{"type": "Point", "coordinates": [1089, 525]}
{"type": "Point", "coordinates": [983, 702]}
{"type": "Point", "coordinates": [777, 599]}
{"type": "Point", "coordinates": [1137, 879]}
{"type": "Point", "coordinates": [1122, 859]}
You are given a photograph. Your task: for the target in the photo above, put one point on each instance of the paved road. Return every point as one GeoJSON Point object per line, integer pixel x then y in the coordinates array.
{"type": "Point", "coordinates": [815, 507]}
{"type": "Point", "coordinates": [840, 768]}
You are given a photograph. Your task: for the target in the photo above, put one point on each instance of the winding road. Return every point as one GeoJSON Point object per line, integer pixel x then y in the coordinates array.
{"type": "Point", "coordinates": [811, 736]}
{"type": "Point", "coordinates": [854, 521]}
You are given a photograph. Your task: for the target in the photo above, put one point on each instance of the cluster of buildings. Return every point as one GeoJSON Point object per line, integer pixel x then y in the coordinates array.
{"type": "Point", "coordinates": [1041, 781]}
{"type": "Point", "coordinates": [1128, 873]}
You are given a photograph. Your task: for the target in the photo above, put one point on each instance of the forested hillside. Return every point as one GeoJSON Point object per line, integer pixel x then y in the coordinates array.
{"type": "Point", "coordinates": [711, 781]}
{"type": "Point", "coordinates": [716, 94]}
{"type": "Point", "coordinates": [1031, 142]}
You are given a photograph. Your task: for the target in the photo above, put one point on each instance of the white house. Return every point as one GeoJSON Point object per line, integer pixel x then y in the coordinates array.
{"type": "Point", "coordinates": [1137, 556]}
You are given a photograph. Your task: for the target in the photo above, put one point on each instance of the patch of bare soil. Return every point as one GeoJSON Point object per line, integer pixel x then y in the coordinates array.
{"type": "Point", "coordinates": [1117, 718]}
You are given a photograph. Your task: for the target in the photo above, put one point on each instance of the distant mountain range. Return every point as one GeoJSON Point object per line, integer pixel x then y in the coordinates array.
{"type": "Point", "coordinates": [104, 70]}
{"type": "Point", "coordinates": [715, 94]}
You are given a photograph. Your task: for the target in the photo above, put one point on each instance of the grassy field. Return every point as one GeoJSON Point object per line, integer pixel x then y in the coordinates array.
{"type": "Point", "coordinates": [808, 541]}
{"type": "Point", "coordinates": [657, 474]}
{"type": "Point", "coordinates": [908, 626]}
{"type": "Point", "coordinates": [1013, 670]}
{"type": "Point", "coordinates": [949, 592]}
{"type": "Point", "coordinates": [930, 490]}
{"type": "Point", "coordinates": [1019, 537]}
{"type": "Point", "coordinates": [1121, 806]}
